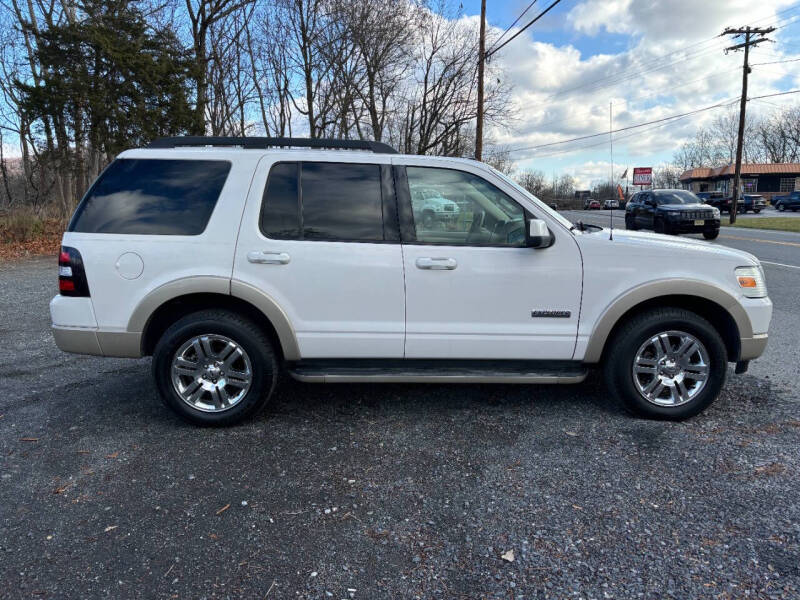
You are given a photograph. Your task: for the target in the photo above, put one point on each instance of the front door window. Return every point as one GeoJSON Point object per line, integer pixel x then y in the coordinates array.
{"type": "Point", "coordinates": [461, 209]}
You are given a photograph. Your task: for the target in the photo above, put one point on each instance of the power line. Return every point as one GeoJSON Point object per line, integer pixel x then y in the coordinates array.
{"type": "Point", "coordinates": [773, 95]}
{"type": "Point", "coordinates": [776, 62]}
{"type": "Point", "coordinates": [672, 121]}
{"type": "Point", "coordinates": [616, 139]}
{"type": "Point", "coordinates": [522, 14]}
{"type": "Point", "coordinates": [536, 18]}
{"type": "Point", "coordinates": [629, 127]}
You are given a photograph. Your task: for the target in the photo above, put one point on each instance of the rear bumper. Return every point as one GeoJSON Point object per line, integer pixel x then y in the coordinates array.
{"type": "Point", "coordinates": [81, 340]}
{"type": "Point", "coordinates": [75, 330]}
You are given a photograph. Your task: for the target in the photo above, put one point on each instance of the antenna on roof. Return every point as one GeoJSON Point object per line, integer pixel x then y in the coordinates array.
{"type": "Point", "coordinates": [611, 143]}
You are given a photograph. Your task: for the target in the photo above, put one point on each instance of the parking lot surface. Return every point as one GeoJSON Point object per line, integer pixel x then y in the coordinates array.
{"type": "Point", "coordinates": [388, 491]}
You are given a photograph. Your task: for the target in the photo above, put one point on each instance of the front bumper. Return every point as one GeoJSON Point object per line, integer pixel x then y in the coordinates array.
{"type": "Point", "coordinates": [753, 347]}
{"type": "Point", "coordinates": [689, 226]}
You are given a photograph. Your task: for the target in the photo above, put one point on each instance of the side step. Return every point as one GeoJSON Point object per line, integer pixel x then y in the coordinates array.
{"type": "Point", "coordinates": [437, 371]}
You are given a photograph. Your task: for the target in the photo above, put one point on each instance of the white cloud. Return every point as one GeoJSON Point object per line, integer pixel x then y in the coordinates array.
{"type": "Point", "coordinates": [673, 65]}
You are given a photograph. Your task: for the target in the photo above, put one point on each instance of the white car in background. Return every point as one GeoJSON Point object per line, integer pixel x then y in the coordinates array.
{"type": "Point", "coordinates": [432, 209]}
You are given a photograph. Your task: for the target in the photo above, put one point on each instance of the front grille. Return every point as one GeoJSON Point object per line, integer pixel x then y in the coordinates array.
{"type": "Point", "coordinates": [696, 214]}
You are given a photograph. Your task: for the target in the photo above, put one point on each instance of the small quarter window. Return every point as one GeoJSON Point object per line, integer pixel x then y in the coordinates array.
{"type": "Point", "coordinates": [280, 214]}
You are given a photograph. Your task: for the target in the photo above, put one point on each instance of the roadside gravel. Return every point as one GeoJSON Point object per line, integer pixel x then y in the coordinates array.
{"type": "Point", "coordinates": [357, 491]}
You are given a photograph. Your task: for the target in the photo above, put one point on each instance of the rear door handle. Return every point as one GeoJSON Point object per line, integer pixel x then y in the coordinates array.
{"type": "Point", "coordinates": [268, 258]}
{"type": "Point", "coordinates": [437, 264]}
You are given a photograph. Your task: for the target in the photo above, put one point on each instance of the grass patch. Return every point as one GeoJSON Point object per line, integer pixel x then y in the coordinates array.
{"type": "Point", "coordinates": [774, 223]}
{"type": "Point", "coordinates": [24, 233]}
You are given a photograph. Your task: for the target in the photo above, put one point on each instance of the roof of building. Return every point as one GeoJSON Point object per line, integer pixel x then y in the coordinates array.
{"type": "Point", "coordinates": [747, 169]}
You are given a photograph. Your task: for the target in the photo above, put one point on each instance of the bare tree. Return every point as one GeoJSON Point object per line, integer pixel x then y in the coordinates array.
{"type": "Point", "coordinates": [203, 14]}
{"type": "Point", "coordinates": [441, 99]}
{"type": "Point", "coordinates": [532, 180]}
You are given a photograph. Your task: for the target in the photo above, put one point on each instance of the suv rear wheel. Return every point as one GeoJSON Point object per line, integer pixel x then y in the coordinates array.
{"type": "Point", "coordinates": [667, 363]}
{"type": "Point", "coordinates": [214, 367]}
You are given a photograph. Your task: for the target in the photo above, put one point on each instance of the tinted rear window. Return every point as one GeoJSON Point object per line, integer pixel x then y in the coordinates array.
{"type": "Point", "coordinates": [342, 201]}
{"type": "Point", "coordinates": [152, 196]}
{"type": "Point", "coordinates": [323, 201]}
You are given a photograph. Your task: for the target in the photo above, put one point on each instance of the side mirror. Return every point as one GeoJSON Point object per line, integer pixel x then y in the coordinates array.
{"type": "Point", "coordinates": [539, 235]}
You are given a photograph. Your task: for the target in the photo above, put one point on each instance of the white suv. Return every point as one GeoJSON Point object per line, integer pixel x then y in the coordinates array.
{"type": "Point", "coordinates": [230, 260]}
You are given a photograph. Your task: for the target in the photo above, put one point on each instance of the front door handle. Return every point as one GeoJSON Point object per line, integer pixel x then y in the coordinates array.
{"type": "Point", "coordinates": [437, 264]}
{"type": "Point", "coordinates": [268, 258]}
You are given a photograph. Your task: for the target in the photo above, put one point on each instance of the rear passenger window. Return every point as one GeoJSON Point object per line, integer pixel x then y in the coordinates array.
{"type": "Point", "coordinates": [152, 196]}
{"type": "Point", "coordinates": [332, 202]}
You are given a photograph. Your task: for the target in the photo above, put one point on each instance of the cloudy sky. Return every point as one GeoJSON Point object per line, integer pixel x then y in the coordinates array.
{"type": "Point", "coordinates": [649, 58]}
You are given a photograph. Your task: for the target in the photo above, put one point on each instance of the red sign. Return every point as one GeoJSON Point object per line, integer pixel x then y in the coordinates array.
{"type": "Point", "coordinates": [642, 176]}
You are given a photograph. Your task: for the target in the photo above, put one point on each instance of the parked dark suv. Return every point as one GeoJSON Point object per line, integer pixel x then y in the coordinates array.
{"type": "Point", "coordinates": [671, 211]}
{"type": "Point", "coordinates": [790, 201]}
{"type": "Point", "coordinates": [748, 202]}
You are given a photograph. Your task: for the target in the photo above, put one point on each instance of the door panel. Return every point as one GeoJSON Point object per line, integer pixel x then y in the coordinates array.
{"type": "Point", "coordinates": [487, 301]}
{"type": "Point", "coordinates": [344, 299]}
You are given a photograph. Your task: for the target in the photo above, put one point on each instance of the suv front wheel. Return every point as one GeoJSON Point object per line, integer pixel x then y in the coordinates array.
{"type": "Point", "coordinates": [215, 368]}
{"type": "Point", "coordinates": [666, 363]}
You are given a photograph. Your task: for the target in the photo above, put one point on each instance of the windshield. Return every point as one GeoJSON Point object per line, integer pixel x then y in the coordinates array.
{"type": "Point", "coordinates": [556, 215]}
{"type": "Point", "coordinates": [676, 197]}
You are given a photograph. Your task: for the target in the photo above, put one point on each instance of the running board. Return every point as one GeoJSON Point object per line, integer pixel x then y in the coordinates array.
{"type": "Point", "coordinates": [437, 371]}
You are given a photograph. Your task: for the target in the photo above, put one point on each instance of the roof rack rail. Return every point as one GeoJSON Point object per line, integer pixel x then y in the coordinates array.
{"type": "Point", "coordinates": [271, 142]}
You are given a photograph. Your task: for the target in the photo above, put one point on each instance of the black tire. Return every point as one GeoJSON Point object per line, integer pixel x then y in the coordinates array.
{"type": "Point", "coordinates": [621, 352]}
{"type": "Point", "coordinates": [711, 235]}
{"type": "Point", "coordinates": [659, 226]}
{"type": "Point", "coordinates": [630, 224]}
{"type": "Point", "coordinates": [756, 210]}
{"type": "Point", "coordinates": [253, 341]}
{"type": "Point", "coordinates": [780, 207]}
{"type": "Point", "coordinates": [428, 219]}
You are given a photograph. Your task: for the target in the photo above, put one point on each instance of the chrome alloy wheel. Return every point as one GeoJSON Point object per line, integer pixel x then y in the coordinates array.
{"type": "Point", "coordinates": [211, 373]}
{"type": "Point", "coordinates": [671, 368]}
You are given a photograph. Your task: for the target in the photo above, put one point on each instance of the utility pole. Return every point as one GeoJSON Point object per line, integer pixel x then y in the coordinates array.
{"type": "Point", "coordinates": [481, 61]}
{"type": "Point", "coordinates": [748, 33]}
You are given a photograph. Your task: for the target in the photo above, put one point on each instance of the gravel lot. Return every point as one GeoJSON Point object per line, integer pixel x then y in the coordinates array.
{"type": "Point", "coordinates": [392, 491]}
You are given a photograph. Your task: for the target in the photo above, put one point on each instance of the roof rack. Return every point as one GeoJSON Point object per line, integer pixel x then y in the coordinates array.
{"type": "Point", "coordinates": [271, 142]}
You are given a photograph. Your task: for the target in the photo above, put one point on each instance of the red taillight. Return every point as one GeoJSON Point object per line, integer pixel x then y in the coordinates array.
{"type": "Point", "coordinates": [71, 275]}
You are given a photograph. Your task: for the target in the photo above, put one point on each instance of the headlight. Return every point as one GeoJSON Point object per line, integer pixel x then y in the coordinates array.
{"type": "Point", "coordinates": [715, 212]}
{"type": "Point", "coordinates": [674, 215]}
{"type": "Point", "coordinates": [751, 282]}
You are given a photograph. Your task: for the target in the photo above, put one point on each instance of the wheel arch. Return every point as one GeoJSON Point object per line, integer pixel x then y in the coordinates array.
{"type": "Point", "coordinates": [154, 316]}
{"type": "Point", "coordinates": [717, 306]}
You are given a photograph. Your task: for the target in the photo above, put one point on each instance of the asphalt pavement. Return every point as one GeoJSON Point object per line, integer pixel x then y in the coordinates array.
{"type": "Point", "coordinates": [389, 491]}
